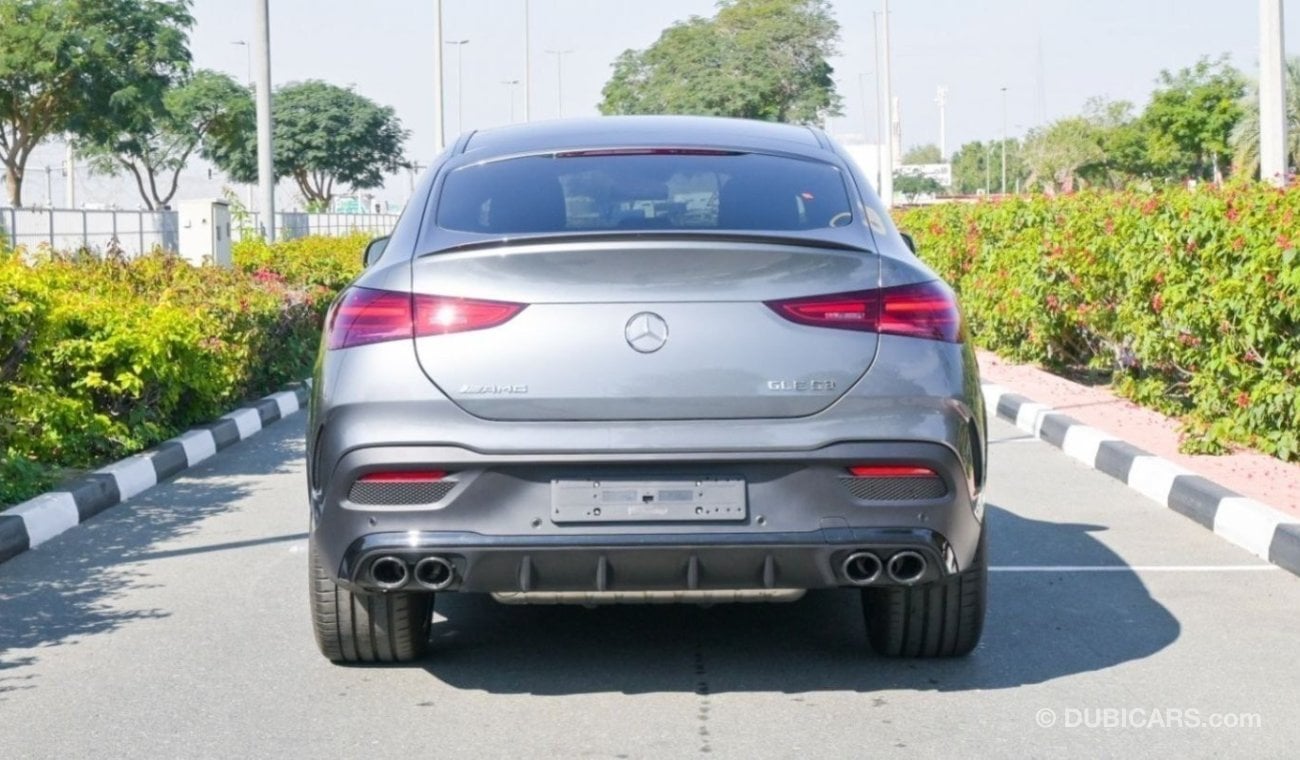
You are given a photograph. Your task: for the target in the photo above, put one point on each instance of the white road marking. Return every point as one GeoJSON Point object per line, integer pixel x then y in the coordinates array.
{"type": "Point", "coordinates": [1131, 568]}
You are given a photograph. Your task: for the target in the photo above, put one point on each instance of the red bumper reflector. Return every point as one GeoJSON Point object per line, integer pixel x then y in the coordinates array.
{"type": "Point", "coordinates": [890, 471]}
{"type": "Point", "coordinates": [405, 476]}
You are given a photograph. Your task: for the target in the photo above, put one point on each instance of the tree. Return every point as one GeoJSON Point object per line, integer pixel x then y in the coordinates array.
{"type": "Point", "coordinates": [977, 166]}
{"type": "Point", "coordinates": [204, 113]}
{"type": "Point", "coordinates": [1245, 134]}
{"type": "Point", "coordinates": [756, 59]}
{"type": "Point", "coordinates": [1058, 153]}
{"type": "Point", "coordinates": [323, 135]}
{"type": "Point", "coordinates": [1122, 140]}
{"type": "Point", "coordinates": [1190, 119]}
{"type": "Point", "coordinates": [77, 66]}
{"type": "Point", "coordinates": [923, 154]}
{"type": "Point", "coordinates": [911, 185]}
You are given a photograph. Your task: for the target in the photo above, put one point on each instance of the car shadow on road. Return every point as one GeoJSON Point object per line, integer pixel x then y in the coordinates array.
{"type": "Point", "coordinates": [73, 585]}
{"type": "Point", "coordinates": [1041, 626]}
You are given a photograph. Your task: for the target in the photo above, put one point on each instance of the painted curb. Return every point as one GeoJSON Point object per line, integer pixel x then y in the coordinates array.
{"type": "Point", "coordinates": [1266, 532]}
{"type": "Point", "coordinates": [33, 522]}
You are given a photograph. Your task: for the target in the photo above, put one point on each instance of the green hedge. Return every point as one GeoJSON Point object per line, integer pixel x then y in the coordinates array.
{"type": "Point", "coordinates": [1190, 299]}
{"type": "Point", "coordinates": [103, 357]}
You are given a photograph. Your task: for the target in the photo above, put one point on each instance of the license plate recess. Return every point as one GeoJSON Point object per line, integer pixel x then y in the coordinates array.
{"type": "Point", "coordinates": [666, 500]}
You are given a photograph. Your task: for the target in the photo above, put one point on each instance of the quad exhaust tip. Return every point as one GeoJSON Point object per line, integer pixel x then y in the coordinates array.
{"type": "Point", "coordinates": [861, 568]}
{"type": "Point", "coordinates": [435, 573]}
{"type": "Point", "coordinates": [907, 567]}
{"type": "Point", "coordinates": [389, 572]}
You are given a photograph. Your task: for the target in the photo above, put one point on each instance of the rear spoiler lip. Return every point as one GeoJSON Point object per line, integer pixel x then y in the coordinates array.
{"type": "Point", "coordinates": [651, 237]}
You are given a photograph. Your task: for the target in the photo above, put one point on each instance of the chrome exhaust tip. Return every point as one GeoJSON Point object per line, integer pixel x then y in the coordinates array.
{"type": "Point", "coordinates": [435, 573]}
{"type": "Point", "coordinates": [389, 572]}
{"type": "Point", "coordinates": [907, 567]}
{"type": "Point", "coordinates": [861, 568]}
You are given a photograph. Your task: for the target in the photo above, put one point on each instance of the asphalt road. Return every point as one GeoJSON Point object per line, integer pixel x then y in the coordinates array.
{"type": "Point", "coordinates": [176, 625]}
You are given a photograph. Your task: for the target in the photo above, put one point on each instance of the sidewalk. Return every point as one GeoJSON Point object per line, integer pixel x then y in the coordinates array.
{"type": "Point", "coordinates": [1258, 476]}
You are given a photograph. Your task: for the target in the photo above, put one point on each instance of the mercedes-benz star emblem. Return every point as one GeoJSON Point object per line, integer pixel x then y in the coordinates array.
{"type": "Point", "coordinates": [646, 332]}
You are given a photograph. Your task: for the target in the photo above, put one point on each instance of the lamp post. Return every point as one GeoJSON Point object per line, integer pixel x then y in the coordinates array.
{"type": "Point", "coordinates": [528, 64]}
{"type": "Point", "coordinates": [559, 77]}
{"type": "Point", "coordinates": [988, 168]}
{"type": "Point", "coordinates": [1273, 162]}
{"type": "Point", "coordinates": [887, 173]}
{"type": "Point", "coordinates": [510, 90]}
{"type": "Point", "coordinates": [1004, 141]}
{"type": "Point", "coordinates": [460, 81]}
{"type": "Point", "coordinates": [439, 85]}
{"type": "Point", "coordinates": [265, 153]}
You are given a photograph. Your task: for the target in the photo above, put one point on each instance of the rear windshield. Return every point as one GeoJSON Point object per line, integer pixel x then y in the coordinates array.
{"type": "Point", "coordinates": [658, 191]}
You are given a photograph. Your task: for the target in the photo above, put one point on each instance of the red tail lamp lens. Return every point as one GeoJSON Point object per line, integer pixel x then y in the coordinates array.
{"type": "Point", "coordinates": [922, 310]}
{"type": "Point", "coordinates": [403, 476]}
{"type": "Point", "coordinates": [365, 315]}
{"type": "Point", "coordinates": [891, 471]}
{"type": "Point", "coordinates": [438, 315]}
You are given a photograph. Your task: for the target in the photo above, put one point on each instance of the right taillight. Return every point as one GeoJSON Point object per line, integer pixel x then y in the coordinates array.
{"type": "Point", "coordinates": [922, 310]}
{"type": "Point", "coordinates": [366, 315]}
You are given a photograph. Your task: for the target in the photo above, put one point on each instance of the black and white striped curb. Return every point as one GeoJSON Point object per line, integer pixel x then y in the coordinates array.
{"type": "Point", "coordinates": [1262, 530]}
{"type": "Point", "coordinates": [36, 521]}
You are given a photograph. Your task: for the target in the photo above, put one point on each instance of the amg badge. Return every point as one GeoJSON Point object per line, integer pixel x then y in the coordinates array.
{"type": "Point", "coordinates": [813, 386]}
{"type": "Point", "coordinates": [481, 390]}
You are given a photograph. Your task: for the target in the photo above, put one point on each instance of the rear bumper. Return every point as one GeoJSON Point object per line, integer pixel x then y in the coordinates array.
{"type": "Point", "coordinates": [648, 562]}
{"type": "Point", "coordinates": [494, 527]}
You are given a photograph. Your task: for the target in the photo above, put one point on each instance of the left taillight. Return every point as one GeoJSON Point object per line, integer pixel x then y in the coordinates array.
{"type": "Point", "coordinates": [366, 315]}
{"type": "Point", "coordinates": [922, 310]}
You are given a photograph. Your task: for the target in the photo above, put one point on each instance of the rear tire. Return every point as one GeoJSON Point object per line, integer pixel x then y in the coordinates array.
{"type": "Point", "coordinates": [357, 627]}
{"type": "Point", "coordinates": [941, 619]}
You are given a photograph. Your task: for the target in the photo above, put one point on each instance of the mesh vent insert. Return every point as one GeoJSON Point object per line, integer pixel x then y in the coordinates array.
{"type": "Point", "coordinates": [895, 489]}
{"type": "Point", "coordinates": [400, 493]}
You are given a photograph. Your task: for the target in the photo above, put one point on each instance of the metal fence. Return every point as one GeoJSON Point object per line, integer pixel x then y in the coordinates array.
{"type": "Point", "coordinates": [134, 232]}
{"type": "Point", "coordinates": [294, 224]}
{"type": "Point", "coordinates": [70, 229]}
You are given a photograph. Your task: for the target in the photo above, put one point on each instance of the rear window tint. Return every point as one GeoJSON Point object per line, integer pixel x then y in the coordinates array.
{"type": "Point", "coordinates": [692, 191]}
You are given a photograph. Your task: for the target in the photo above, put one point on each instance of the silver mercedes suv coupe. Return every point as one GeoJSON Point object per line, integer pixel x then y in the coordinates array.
{"type": "Point", "coordinates": [645, 359]}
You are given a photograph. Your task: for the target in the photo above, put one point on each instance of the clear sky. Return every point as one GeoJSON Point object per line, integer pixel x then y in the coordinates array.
{"type": "Point", "coordinates": [1112, 48]}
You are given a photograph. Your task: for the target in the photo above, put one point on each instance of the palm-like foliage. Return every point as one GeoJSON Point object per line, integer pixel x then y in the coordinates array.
{"type": "Point", "coordinates": [1245, 135]}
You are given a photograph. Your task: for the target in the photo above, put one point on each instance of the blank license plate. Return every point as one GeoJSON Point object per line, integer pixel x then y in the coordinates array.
{"type": "Point", "coordinates": [693, 500]}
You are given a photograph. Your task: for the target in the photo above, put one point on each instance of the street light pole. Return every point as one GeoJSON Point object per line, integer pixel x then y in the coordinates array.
{"type": "Point", "coordinates": [880, 131]}
{"type": "Point", "coordinates": [559, 77]}
{"type": "Point", "coordinates": [460, 82]}
{"type": "Point", "coordinates": [887, 173]}
{"type": "Point", "coordinates": [988, 168]}
{"type": "Point", "coordinates": [1272, 94]}
{"type": "Point", "coordinates": [1004, 141]}
{"type": "Point", "coordinates": [528, 64]}
{"type": "Point", "coordinates": [941, 99]}
{"type": "Point", "coordinates": [510, 89]}
{"type": "Point", "coordinates": [265, 155]}
{"type": "Point", "coordinates": [439, 85]}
